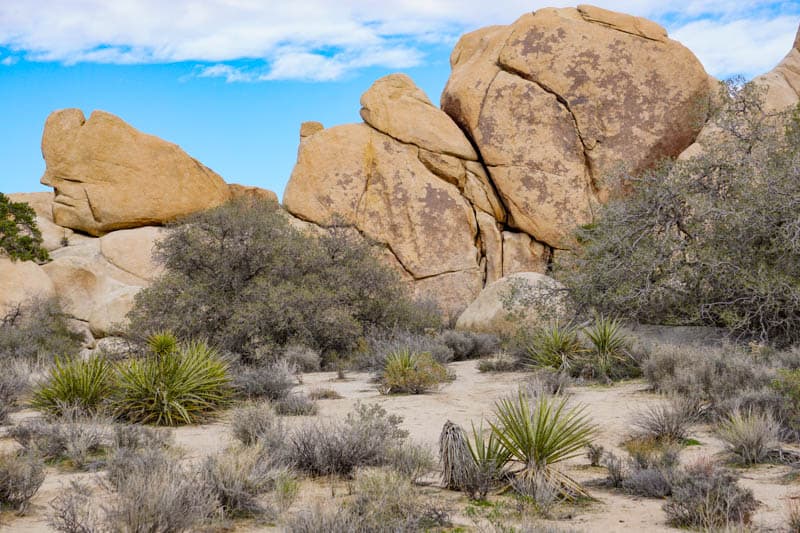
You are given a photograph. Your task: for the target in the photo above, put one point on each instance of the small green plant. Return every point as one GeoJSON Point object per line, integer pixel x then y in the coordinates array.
{"type": "Point", "coordinates": [541, 433]}
{"type": "Point", "coordinates": [749, 436]}
{"type": "Point", "coordinates": [609, 351]}
{"type": "Point", "coordinates": [554, 346]}
{"type": "Point", "coordinates": [20, 238]}
{"type": "Point", "coordinates": [178, 386]}
{"type": "Point", "coordinates": [85, 384]}
{"type": "Point", "coordinates": [489, 458]}
{"type": "Point", "coordinates": [411, 373]}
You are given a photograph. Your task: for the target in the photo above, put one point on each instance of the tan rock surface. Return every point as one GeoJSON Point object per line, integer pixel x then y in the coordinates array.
{"type": "Point", "coordinates": [107, 175]}
{"type": "Point", "coordinates": [132, 250]}
{"type": "Point", "coordinates": [53, 235]}
{"type": "Point", "coordinates": [492, 243]}
{"type": "Point", "coordinates": [21, 281]}
{"type": "Point", "coordinates": [244, 191]}
{"type": "Point", "coordinates": [523, 254]}
{"type": "Point", "coordinates": [522, 299]}
{"type": "Point", "coordinates": [782, 84]}
{"type": "Point", "coordinates": [556, 100]}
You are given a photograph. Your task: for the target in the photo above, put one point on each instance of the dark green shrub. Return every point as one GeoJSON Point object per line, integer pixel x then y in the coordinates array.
{"type": "Point", "coordinates": [20, 238]}
{"type": "Point", "coordinates": [242, 277]}
{"type": "Point", "coordinates": [37, 331]}
{"type": "Point", "coordinates": [411, 373]}
{"type": "Point", "coordinates": [712, 240]}
{"type": "Point", "coordinates": [179, 386]}
{"type": "Point", "coordinates": [21, 475]}
{"type": "Point", "coordinates": [707, 497]}
{"type": "Point", "coordinates": [76, 383]}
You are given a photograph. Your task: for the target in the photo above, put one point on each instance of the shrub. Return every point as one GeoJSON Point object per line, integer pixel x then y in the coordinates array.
{"type": "Point", "coordinates": [664, 422]}
{"type": "Point", "coordinates": [36, 331]}
{"type": "Point", "coordinates": [272, 381]}
{"type": "Point", "coordinates": [75, 438]}
{"type": "Point", "coordinates": [595, 452]}
{"type": "Point", "coordinates": [73, 510]}
{"type": "Point", "coordinates": [610, 350]}
{"type": "Point", "coordinates": [411, 460]}
{"type": "Point", "coordinates": [156, 493]}
{"type": "Point", "coordinates": [647, 482]}
{"type": "Point", "coordinates": [467, 345]}
{"type": "Point", "coordinates": [705, 496]}
{"type": "Point", "coordinates": [383, 344]}
{"type": "Point", "coordinates": [711, 240]}
{"type": "Point", "coordinates": [238, 477]}
{"type": "Point", "coordinates": [489, 458]}
{"type": "Point", "coordinates": [555, 346]}
{"type": "Point", "coordinates": [137, 437]}
{"type": "Point", "coordinates": [364, 438]}
{"type": "Point", "coordinates": [413, 373]}
{"type": "Point", "coordinates": [649, 470]}
{"type": "Point", "coordinates": [324, 394]}
{"type": "Point", "coordinates": [14, 382]}
{"type": "Point", "coordinates": [502, 362]}
{"type": "Point", "coordinates": [21, 475]}
{"type": "Point", "coordinates": [20, 237]}
{"type": "Point", "coordinates": [541, 434]}
{"type": "Point", "coordinates": [241, 276]}
{"type": "Point", "coordinates": [257, 422]}
{"type": "Point", "coordinates": [295, 405]}
{"type": "Point", "coordinates": [302, 357]}
{"type": "Point", "coordinates": [749, 436]}
{"type": "Point", "coordinates": [546, 381]}
{"type": "Point", "coordinates": [82, 383]}
{"type": "Point", "coordinates": [177, 387]}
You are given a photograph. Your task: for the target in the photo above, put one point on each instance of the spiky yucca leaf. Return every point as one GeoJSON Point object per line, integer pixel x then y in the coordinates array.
{"type": "Point", "coordinates": [162, 343]}
{"type": "Point", "coordinates": [609, 353]}
{"type": "Point", "coordinates": [74, 383]}
{"type": "Point", "coordinates": [541, 434]}
{"type": "Point", "coordinates": [175, 387]}
{"type": "Point", "coordinates": [554, 346]}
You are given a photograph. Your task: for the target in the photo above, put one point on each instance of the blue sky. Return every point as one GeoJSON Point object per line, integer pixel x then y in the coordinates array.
{"type": "Point", "coordinates": [231, 80]}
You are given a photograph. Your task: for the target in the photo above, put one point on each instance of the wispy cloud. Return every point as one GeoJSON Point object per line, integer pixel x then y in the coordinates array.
{"type": "Point", "coordinates": [325, 40]}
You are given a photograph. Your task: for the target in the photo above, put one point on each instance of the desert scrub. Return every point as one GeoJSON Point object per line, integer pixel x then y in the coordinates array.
{"type": "Point", "coordinates": [75, 383]}
{"type": "Point", "coordinates": [297, 404]}
{"type": "Point", "coordinates": [14, 382]}
{"type": "Point", "coordinates": [749, 436]}
{"type": "Point", "coordinates": [364, 438]}
{"type": "Point", "coordinates": [705, 496]}
{"type": "Point", "coordinates": [36, 331]}
{"type": "Point", "coordinates": [541, 432]}
{"type": "Point", "coordinates": [554, 346]}
{"type": "Point", "coordinates": [664, 422]}
{"type": "Point", "coordinates": [324, 394]}
{"type": "Point", "coordinates": [21, 475]}
{"type": "Point", "coordinates": [411, 460]}
{"type": "Point", "coordinates": [411, 373]}
{"type": "Point", "coordinates": [272, 380]}
{"type": "Point", "coordinates": [257, 422]}
{"type": "Point", "coordinates": [609, 354]}
{"type": "Point", "coordinates": [181, 384]}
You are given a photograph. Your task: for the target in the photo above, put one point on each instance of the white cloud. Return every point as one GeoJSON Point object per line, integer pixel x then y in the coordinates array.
{"type": "Point", "coordinates": [325, 39]}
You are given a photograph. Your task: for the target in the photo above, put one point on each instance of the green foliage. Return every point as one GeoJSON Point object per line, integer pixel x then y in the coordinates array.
{"type": "Point", "coordinates": [180, 386]}
{"type": "Point", "coordinates": [713, 240]}
{"type": "Point", "coordinates": [411, 373]}
{"type": "Point", "coordinates": [609, 355]}
{"type": "Point", "coordinates": [20, 238]}
{"type": "Point", "coordinates": [541, 434]}
{"type": "Point", "coordinates": [242, 277]}
{"type": "Point", "coordinates": [489, 457]}
{"type": "Point", "coordinates": [81, 383]}
{"type": "Point", "coordinates": [555, 346]}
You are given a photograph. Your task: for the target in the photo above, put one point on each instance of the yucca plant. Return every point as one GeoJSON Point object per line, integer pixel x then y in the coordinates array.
{"type": "Point", "coordinates": [490, 458]}
{"type": "Point", "coordinates": [177, 386]}
{"type": "Point", "coordinates": [554, 346]}
{"type": "Point", "coordinates": [609, 348]}
{"type": "Point", "coordinates": [410, 372]}
{"type": "Point", "coordinates": [542, 433]}
{"type": "Point", "coordinates": [162, 343]}
{"type": "Point", "coordinates": [74, 383]}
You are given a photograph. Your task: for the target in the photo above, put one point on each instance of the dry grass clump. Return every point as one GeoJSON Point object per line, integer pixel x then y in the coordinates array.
{"type": "Point", "coordinates": [272, 381]}
{"type": "Point", "coordinates": [21, 475]}
{"type": "Point", "coordinates": [407, 372]}
{"type": "Point", "coordinates": [296, 404]}
{"type": "Point", "coordinates": [382, 501]}
{"type": "Point", "coordinates": [665, 422]}
{"type": "Point", "coordinates": [324, 394]}
{"type": "Point", "coordinates": [750, 436]}
{"type": "Point", "coordinates": [14, 382]}
{"type": "Point", "coordinates": [411, 460]}
{"type": "Point", "coordinates": [705, 496]}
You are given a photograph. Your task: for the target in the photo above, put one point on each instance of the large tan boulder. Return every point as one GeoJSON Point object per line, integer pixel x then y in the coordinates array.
{"type": "Point", "coordinates": [364, 178]}
{"type": "Point", "coordinates": [524, 299]}
{"type": "Point", "coordinates": [555, 101]}
{"type": "Point", "coordinates": [782, 84]}
{"type": "Point", "coordinates": [107, 175]}
{"type": "Point", "coordinates": [132, 250]}
{"type": "Point", "coordinates": [21, 281]}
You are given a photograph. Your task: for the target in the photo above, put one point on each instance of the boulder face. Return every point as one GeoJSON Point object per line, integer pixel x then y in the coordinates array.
{"type": "Point", "coordinates": [107, 175]}
{"type": "Point", "coordinates": [21, 281]}
{"type": "Point", "coordinates": [782, 84]}
{"type": "Point", "coordinates": [559, 98]}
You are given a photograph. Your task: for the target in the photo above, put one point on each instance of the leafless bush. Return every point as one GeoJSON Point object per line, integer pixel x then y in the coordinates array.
{"type": "Point", "coordinates": [546, 381]}
{"type": "Point", "coordinates": [594, 452]}
{"type": "Point", "coordinates": [14, 381]}
{"type": "Point", "coordinates": [665, 422]}
{"type": "Point", "coordinates": [304, 358]}
{"type": "Point", "coordinates": [364, 438]}
{"type": "Point", "coordinates": [75, 437]}
{"type": "Point", "coordinates": [135, 437]}
{"type": "Point", "coordinates": [296, 404]}
{"type": "Point", "coordinates": [411, 460]}
{"type": "Point", "coordinates": [468, 345]}
{"type": "Point", "coordinates": [21, 475]}
{"type": "Point", "coordinates": [257, 422]}
{"type": "Point", "coordinates": [324, 394]}
{"type": "Point", "coordinates": [74, 510]}
{"type": "Point", "coordinates": [272, 381]}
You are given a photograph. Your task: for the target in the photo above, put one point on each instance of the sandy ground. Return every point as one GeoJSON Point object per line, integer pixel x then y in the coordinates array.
{"type": "Point", "coordinates": [470, 399]}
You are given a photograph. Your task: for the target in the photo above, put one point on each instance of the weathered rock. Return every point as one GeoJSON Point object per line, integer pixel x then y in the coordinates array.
{"type": "Point", "coordinates": [107, 175]}
{"type": "Point", "coordinates": [244, 191]}
{"type": "Point", "coordinates": [524, 299]}
{"type": "Point", "coordinates": [53, 235]}
{"type": "Point", "coordinates": [782, 84]}
{"type": "Point", "coordinates": [309, 128]}
{"type": "Point", "coordinates": [523, 254]}
{"type": "Point", "coordinates": [132, 250]}
{"type": "Point", "coordinates": [21, 281]}
{"type": "Point", "coordinates": [556, 100]}
{"type": "Point", "coordinates": [492, 243]}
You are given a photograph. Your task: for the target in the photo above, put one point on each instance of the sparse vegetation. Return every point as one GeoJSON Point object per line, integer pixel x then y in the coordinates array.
{"type": "Point", "coordinates": [411, 373]}
{"type": "Point", "coordinates": [21, 475]}
{"type": "Point", "coordinates": [257, 422]}
{"type": "Point", "coordinates": [36, 331]}
{"type": "Point", "coordinates": [749, 436]}
{"type": "Point", "coordinates": [295, 405]}
{"type": "Point", "coordinates": [75, 438]}
{"type": "Point", "coordinates": [664, 422]}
